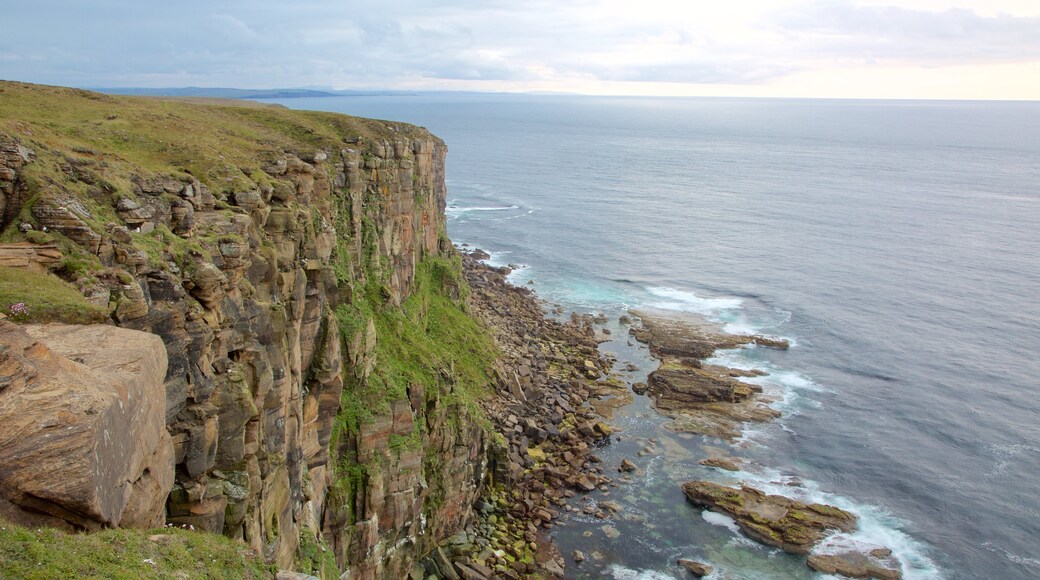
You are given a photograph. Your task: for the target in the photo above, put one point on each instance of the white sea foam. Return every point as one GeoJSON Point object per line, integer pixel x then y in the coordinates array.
{"type": "Point", "coordinates": [717, 519]}
{"type": "Point", "coordinates": [1021, 560]}
{"type": "Point", "coordinates": [877, 527]}
{"type": "Point", "coordinates": [685, 301]}
{"type": "Point", "coordinates": [619, 572]}
{"type": "Point", "coordinates": [1005, 455]}
{"type": "Point", "coordinates": [457, 209]}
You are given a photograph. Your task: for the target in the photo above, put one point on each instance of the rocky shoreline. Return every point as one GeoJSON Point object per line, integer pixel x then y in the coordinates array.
{"type": "Point", "coordinates": [546, 413]}
{"type": "Point", "coordinates": [555, 392]}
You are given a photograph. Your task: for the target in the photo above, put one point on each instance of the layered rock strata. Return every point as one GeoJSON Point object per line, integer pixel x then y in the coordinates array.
{"type": "Point", "coordinates": [236, 236]}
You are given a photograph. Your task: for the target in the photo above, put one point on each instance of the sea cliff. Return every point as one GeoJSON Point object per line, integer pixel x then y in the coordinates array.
{"type": "Point", "coordinates": [326, 393]}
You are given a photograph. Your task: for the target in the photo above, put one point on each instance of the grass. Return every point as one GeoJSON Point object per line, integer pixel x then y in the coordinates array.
{"type": "Point", "coordinates": [430, 341]}
{"type": "Point", "coordinates": [124, 554]}
{"type": "Point", "coordinates": [222, 144]}
{"type": "Point", "coordinates": [46, 298]}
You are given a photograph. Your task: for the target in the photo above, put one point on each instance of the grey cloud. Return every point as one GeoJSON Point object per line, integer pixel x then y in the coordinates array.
{"type": "Point", "coordinates": [955, 35]}
{"type": "Point", "coordinates": [264, 43]}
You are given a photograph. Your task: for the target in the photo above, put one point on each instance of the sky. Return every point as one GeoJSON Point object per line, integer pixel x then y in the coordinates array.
{"type": "Point", "coordinates": [945, 49]}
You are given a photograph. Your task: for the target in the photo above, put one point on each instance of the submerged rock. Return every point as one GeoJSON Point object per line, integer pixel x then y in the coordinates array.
{"type": "Point", "coordinates": [727, 463]}
{"type": "Point", "coordinates": [775, 520]}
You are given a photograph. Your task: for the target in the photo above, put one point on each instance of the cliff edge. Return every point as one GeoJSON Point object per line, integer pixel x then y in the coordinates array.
{"type": "Point", "coordinates": [322, 377]}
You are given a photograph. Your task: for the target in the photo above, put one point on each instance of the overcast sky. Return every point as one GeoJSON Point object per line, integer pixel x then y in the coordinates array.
{"type": "Point", "coordinates": [839, 48]}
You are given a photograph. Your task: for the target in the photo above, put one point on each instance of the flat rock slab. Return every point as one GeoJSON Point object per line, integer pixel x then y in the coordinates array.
{"type": "Point", "coordinates": [775, 520]}
{"type": "Point", "coordinates": [83, 440]}
{"type": "Point", "coordinates": [857, 565]}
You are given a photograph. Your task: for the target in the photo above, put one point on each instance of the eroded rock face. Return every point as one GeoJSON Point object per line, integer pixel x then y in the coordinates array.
{"type": "Point", "coordinates": [241, 285]}
{"type": "Point", "coordinates": [84, 443]}
{"type": "Point", "coordinates": [775, 520]}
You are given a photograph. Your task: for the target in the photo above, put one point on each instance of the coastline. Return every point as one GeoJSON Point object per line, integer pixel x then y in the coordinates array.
{"type": "Point", "coordinates": [694, 395]}
{"type": "Point", "coordinates": [545, 412]}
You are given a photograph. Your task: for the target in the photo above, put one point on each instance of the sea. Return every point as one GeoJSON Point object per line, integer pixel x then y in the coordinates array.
{"type": "Point", "coordinates": [896, 244]}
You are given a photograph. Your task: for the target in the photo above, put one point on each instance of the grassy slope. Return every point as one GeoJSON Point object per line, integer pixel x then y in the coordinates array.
{"type": "Point", "coordinates": [124, 554]}
{"type": "Point", "coordinates": [46, 299]}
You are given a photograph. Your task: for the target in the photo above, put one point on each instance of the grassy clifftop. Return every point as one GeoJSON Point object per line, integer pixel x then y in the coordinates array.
{"type": "Point", "coordinates": [219, 142]}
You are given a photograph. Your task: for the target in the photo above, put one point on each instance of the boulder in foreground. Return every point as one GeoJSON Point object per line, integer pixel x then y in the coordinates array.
{"type": "Point", "coordinates": [83, 441]}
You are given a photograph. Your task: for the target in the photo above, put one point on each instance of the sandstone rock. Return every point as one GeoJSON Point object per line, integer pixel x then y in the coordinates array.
{"type": "Point", "coordinates": [84, 443]}
{"type": "Point", "coordinates": [775, 520]}
{"type": "Point", "coordinates": [857, 565]}
{"type": "Point", "coordinates": [727, 463]}
{"type": "Point", "coordinates": [696, 568]}
{"type": "Point", "coordinates": [627, 465]}
{"type": "Point", "coordinates": [33, 257]}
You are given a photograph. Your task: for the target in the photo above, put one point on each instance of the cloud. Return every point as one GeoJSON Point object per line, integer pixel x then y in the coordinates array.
{"type": "Point", "coordinates": [370, 43]}
{"type": "Point", "coordinates": [841, 29]}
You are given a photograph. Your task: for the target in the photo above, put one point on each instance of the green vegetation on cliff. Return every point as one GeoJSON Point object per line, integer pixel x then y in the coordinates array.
{"type": "Point", "coordinates": [47, 553]}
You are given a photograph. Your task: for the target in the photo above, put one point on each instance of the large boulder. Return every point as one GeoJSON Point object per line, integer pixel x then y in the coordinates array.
{"type": "Point", "coordinates": [83, 439]}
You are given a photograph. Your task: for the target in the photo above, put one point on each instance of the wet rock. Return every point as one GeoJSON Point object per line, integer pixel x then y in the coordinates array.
{"type": "Point", "coordinates": [857, 565]}
{"type": "Point", "coordinates": [774, 520]}
{"type": "Point", "coordinates": [696, 568]}
{"type": "Point", "coordinates": [627, 465]}
{"type": "Point", "coordinates": [727, 463]}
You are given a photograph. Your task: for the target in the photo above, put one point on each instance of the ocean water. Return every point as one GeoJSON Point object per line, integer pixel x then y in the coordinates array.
{"type": "Point", "coordinates": [896, 243]}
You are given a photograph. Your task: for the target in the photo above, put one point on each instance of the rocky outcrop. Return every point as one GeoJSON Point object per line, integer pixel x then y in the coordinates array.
{"type": "Point", "coordinates": [13, 156]}
{"type": "Point", "coordinates": [33, 257]}
{"type": "Point", "coordinates": [84, 443]}
{"type": "Point", "coordinates": [701, 398]}
{"type": "Point", "coordinates": [774, 520]}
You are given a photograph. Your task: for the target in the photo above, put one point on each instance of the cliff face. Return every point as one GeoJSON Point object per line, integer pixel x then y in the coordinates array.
{"type": "Point", "coordinates": [321, 372]}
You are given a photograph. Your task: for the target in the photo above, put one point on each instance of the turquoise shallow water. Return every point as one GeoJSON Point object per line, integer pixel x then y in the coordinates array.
{"type": "Point", "coordinates": [896, 243]}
